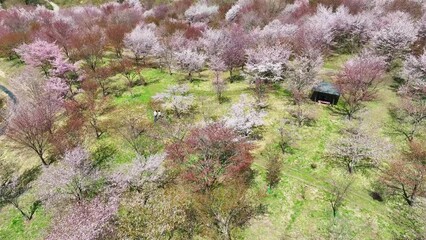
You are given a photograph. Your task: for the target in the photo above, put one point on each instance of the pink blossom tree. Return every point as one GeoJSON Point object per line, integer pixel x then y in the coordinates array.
{"type": "Point", "coordinates": [31, 122]}
{"type": "Point", "coordinates": [302, 74]}
{"type": "Point", "coordinates": [358, 80]}
{"type": "Point", "coordinates": [39, 54]}
{"type": "Point", "coordinates": [89, 219]}
{"type": "Point", "coordinates": [234, 52]}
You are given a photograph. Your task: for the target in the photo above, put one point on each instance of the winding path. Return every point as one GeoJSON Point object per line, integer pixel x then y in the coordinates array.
{"type": "Point", "coordinates": [54, 6]}
{"type": "Point", "coordinates": [9, 93]}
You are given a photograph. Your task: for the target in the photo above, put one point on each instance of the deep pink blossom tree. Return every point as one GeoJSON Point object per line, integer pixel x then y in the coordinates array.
{"type": "Point", "coordinates": [31, 122]}
{"type": "Point", "coordinates": [234, 53]}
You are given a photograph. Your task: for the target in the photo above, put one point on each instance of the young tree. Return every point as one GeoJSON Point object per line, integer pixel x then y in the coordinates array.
{"type": "Point", "coordinates": [176, 99]}
{"type": "Point", "coordinates": [137, 133]}
{"type": "Point", "coordinates": [274, 167]}
{"type": "Point", "coordinates": [12, 186]}
{"type": "Point", "coordinates": [211, 155]}
{"type": "Point", "coordinates": [244, 116]}
{"type": "Point", "coordinates": [358, 80]}
{"type": "Point", "coordinates": [406, 176]}
{"type": "Point", "coordinates": [142, 41]}
{"type": "Point", "coordinates": [226, 208]}
{"type": "Point", "coordinates": [131, 73]}
{"type": "Point", "coordinates": [357, 148]}
{"type": "Point", "coordinates": [338, 193]}
{"type": "Point", "coordinates": [409, 117]}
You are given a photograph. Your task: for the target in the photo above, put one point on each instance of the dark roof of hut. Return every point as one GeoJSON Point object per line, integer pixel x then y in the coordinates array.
{"type": "Point", "coordinates": [326, 87]}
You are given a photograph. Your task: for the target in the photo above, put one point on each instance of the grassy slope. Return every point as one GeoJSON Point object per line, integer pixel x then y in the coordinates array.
{"type": "Point", "coordinates": [296, 208]}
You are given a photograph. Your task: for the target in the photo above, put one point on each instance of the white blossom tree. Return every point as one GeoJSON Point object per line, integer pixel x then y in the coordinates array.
{"type": "Point", "coordinates": [200, 11]}
{"type": "Point", "coordinates": [176, 99]}
{"type": "Point", "coordinates": [267, 63]}
{"type": "Point", "coordinates": [142, 41]}
{"type": "Point", "coordinates": [190, 61]}
{"type": "Point", "coordinates": [394, 38]}
{"type": "Point", "coordinates": [358, 147]}
{"type": "Point", "coordinates": [414, 71]}
{"type": "Point", "coordinates": [244, 116]}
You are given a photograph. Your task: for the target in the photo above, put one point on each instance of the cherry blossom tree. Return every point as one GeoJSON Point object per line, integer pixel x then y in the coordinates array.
{"type": "Point", "coordinates": [142, 170]}
{"type": "Point", "coordinates": [61, 31]}
{"type": "Point", "coordinates": [142, 41]}
{"type": "Point", "coordinates": [414, 72]}
{"type": "Point", "coordinates": [211, 155]}
{"type": "Point", "coordinates": [13, 185]}
{"type": "Point", "coordinates": [89, 45]}
{"type": "Point", "coordinates": [176, 99]}
{"type": "Point", "coordinates": [31, 122]}
{"type": "Point", "coordinates": [302, 75]}
{"type": "Point", "coordinates": [200, 11]}
{"type": "Point", "coordinates": [317, 31]}
{"type": "Point", "coordinates": [394, 38]}
{"type": "Point", "coordinates": [409, 118]}
{"type": "Point", "coordinates": [244, 116]}
{"type": "Point", "coordinates": [234, 54]}
{"type": "Point", "coordinates": [39, 54]}
{"type": "Point", "coordinates": [358, 80]}
{"type": "Point", "coordinates": [119, 23]}
{"type": "Point", "coordinates": [267, 63]}
{"type": "Point", "coordinates": [190, 61]}
{"type": "Point", "coordinates": [70, 179]}
{"type": "Point", "coordinates": [357, 148]}
{"type": "Point", "coordinates": [89, 219]}
{"type": "Point", "coordinates": [406, 176]}
{"type": "Point", "coordinates": [275, 32]}
{"type": "Point", "coordinates": [235, 10]}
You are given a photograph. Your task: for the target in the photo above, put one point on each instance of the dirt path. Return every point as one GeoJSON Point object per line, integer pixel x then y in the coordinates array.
{"type": "Point", "coordinates": [54, 6]}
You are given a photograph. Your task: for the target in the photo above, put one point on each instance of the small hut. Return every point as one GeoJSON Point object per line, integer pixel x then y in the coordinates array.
{"type": "Point", "coordinates": [325, 92]}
